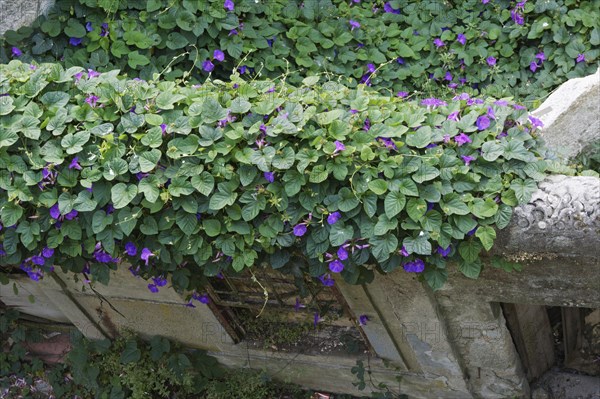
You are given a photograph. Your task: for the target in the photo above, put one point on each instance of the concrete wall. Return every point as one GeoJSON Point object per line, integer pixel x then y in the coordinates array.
{"type": "Point", "coordinates": [17, 13]}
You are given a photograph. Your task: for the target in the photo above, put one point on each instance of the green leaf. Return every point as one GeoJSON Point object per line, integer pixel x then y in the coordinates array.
{"type": "Point", "coordinates": [204, 183]}
{"type": "Point", "coordinates": [394, 203]}
{"type": "Point", "coordinates": [523, 189]}
{"type": "Point", "coordinates": [469, 250]}
{"type": "Point", "coordinates": [187, 222]}
{"type": "Point", "coordinates": [11, 213]}
{"type": "Point", "coordinates": [470, 269]}
{"type": "Point", "coordinates": [419, 245]}
{"type": "Point", "coordinates": [425, 173]}
{"type": "Point", "coordinates": [484, 208]}
{"type": "Point", "coordinates": [384, 225]}
{"type": "Point", "coordinates": [85, 202]}
{"type": "Point", "coordinates": [339, 234]}
{"type": "Point", "coordinates": [127, 220]}
{"type": "Point", "coordinates": [212, 227]}
{"type": "Point", "coordinates": [408, 187]}
{"type": "Point", "coordinates": [416, 208]}
{"type": "Point", "coordinates": [252, 209]}
{"type": "Point", "coordinates": [122, 194]}
{"type": "Point", "coordinates": [503, 216]}
{"type": "Point", "coordinates": [135, 59]}
{"type": "Point", "coordinates": [491, 151]}
{"type": "Point", "coordinates": [486, 235]}
{"type": "Point", "coordinates": [73, 143]}
{"type": "Point", "coordinates": [66, 202]}
{"type": "Point", "coordinates": [240, 105]}
{"type": "Point", "coordinates": [453, 205]}
{"type": "Point", "coordinates": [348, 200]}
{"type": "Point", "coordinates": [378, 186]}
{"type": "Point", "coordinates": [420, 138]}
{"type": "Point", "coordinates": [148, 186]}
{"type": "Point", "coordinates": [383, 246]}
{"type": "Point", "coordinates": [149, 160]}
{"type": "Point", "coordinates": [221, 199]}
{"type": "Point", "coordinates": [131, 353]}
{"type": "Point", "coordinates": [436, 278]}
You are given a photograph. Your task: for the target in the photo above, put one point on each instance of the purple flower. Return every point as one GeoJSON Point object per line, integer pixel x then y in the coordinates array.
{"type": "Point", "coordinates": [92, 100]}
{"type": "Point", "coordinates": [490, 113]}
{"type": "Point", "coordinates": [78, 77]}
{"type": "Point", "coordinates": [47, 252]}
{"type": "Point", "coordinates": [16, 52]}
{"type": "Point", "coordinates": [316, 319]}
{"type": "Point", "coordinates": [367, 124]}
{"type": "Point", "coordinates": [71, 215]}
{"type": "Point", "coordinates": [300, 229]}
{"type": "Point", "coordinates": [75, 164]}
{"type": "Point", "coordinates": [219, 55]}
{"type": "Point", "coordinates": [92, 74]}
{"type": "Point", "coordinates": [402, 94]}
{"type": "Point", "coordinates": [208, 66]}
{"type": "Point", "coordinates": [104, 29]}
{"type": "Point", "coordinates": [354, 24]}
{"type": "Point", "coordinates": [400, 60]}
{"type": "Point", "coordinates": [159, 281]}
{"type": "Point", "coordinates": [388, 142]}
{"type": "Point", "coordinates": [483, 122]}
{"type": "Point", "coordinates": [541, 56]}
{"type": "Point", "coordinates": [533, 66]}
{"type": "Point", "coordinates": [471, 232]}
{"type": "Point", "coordinates": [453, 116]}
{"type": "Point", "coordinates": [416, 266]}
{"type": "Point", "coordinates": [89, 27]}
{"type": "Point", "coordinates": [467, 159]}
{"type": "Point", "coordinates": [518, 107]}
{"type": "Point", "coordinates": [228, 5]}
{"type": "Point", "coordinates": [233, 32]}
{"type": "Point", "coordinates": [491, 61]}
{"type": "Point", "coordinates": [271, 41]}
{"type": "Point", "coordinates": [403, 251]}
{"type": "Point", "coordinates": [371, 68]}
{"type": "Point", "coordinates": [74, 41]}
{"type": "Point", "coordinates": [339, 146]}
{"type": "Point", "coordinates": [448, 76]}
{"type": "Point", "coordinates": [54, 212]}
{"type": "Point", "coordinates": [462, 39]}
{"type": "Point", "coordinates": [433, 102]}
{"type": "Point", "coordinates": [438, 42]}
{"type": "Point", "coordinates": [342, 253]}
{"type": "Point", "coordinates": [326, 280]}
{"type": "Point", "coordinates": [443, 252]}
{"type": "Point", "coordinates": [153, 288]}
{"type": "Point", "coordinates": [362, 320]}
{"type": "Point", "coordinates": [130, 249]}
{"type": "Point", "coordinates": [333, 217]}
{"type": "Point", "coordinates": [485, 1]}
{"type": "Point", "coordinates": [102, 257]}
{"type": "Point", "coordinates": [269, 176]}
{"type": "Point", "coordinates": [387, 7]}
{"type": "Point", "coordinates": [145, 255]}
{"type": "Point", "coordinates": [462, 139]}
{"type": "Point", "coordinates": [336, 266]}
{"type": "Point", "coordinates": [141, 175]}
{"type": "Point", "coordinates": [535, 122]}
{"type": "Point", "coordinates": [580, 58]}
{"type": "Point", "coordinates": [516, 17]}
{"type": "Point", "coordinates": [243, 69]}
{"type": "Point", "coordinates": [38, 260]}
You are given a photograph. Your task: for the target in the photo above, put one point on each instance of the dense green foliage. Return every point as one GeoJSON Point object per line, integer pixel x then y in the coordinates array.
{"type": "Point", "coordinates": [252, 171]}
{"type": "Point", "coordinates": [315, 37]}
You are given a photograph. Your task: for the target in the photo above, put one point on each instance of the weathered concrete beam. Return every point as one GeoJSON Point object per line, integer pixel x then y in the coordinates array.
{"type": "Point", "coordinates": [571, 117]}
{"type": "Point", "coordinates": [17, 13]}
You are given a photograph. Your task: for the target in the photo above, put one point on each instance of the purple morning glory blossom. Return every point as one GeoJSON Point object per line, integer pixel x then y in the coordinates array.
{"type": "Point", "coordinates": [47, 252]}
{"type": "Point", "coordinates": [54, 212]}
{"type": "Point", "coordinates": [462, 39]}
{"type": "Point", "coordinates": [403, 251]}
{"type": "Point", "coordinates": [38, 260]}
{"type": "Point", "coordinates": [300, 229]}
{"type": "Point", "coordinates": [219, 55]}
{"type": "Point", "coordinates": [159, 281]}
{"type": "Point", "coordinates": [89, 27]}
{"type": "Point", "coordinates": [362, 320]}
{"type": "Point", "coordinates": [71, 215]}
{"type": "Point", "coordinates": [342, 253]}
{"type": "Point", "coordinates": [145, 255]}
{"type": "Point", "coordinates": [228, 5]}
{"type": "Point", "coordinates": [92, 74]}
{"type": "Point", "coordinates": [444, 252]}
{"type": "Point", "coordinates": [491, 61]}
{"type": "Point", "coordinates": [462, 139]}
{"type": "Point", "coordinates": [467, 159]}
{"type": "Point", "coordinates": [339, 146]}
{"type": "Point", "coordinates": [336, 266]}
{"type": "Point", "coordinates": [453, 116]}
{"type": "Point", "coordinates": [74, 41]}
{"type": "Point", "coordinates": [326, 280]}
{"type": "Point", "coordinates": [387, 7]}
{"type": "Point", "coordinates": [541, 56]}
{"type": "Point", "coordinates": [371, 68]}
{"type": "Point", "coordinates": [78, 77]}
{"type": "Point", "coordinates": [580, 58]}
{"type": "Point", "coordinates": [448, 76]}
{"type": "Point", "coordinates": [269, 176]}
{"type": "Point", "coordinates": [16, 52]}
{"type": "Point", "coordinates": [471, 232]}
{"type": "Point", "coordinates": [333, 217]}
{"type": "Point", "coordinates": [535, 122]}
{"type": "Point", "coordinates": [92, 100]}
{"type": "Point", "coordinates": [354, 24]}
{"type": "Point", "coordinates": [316, 320]}
{"type": "Point", "coordinates": [153, 288]}
{"type": "Point", "coordinates": [533, 66]}
{"type": "Point", "coordinates": [517, 17]}
{"type": "Point", "coordinates": [204, 299]}
{"type": "Point", "coordinates": [104, 29]}
{"type": "Point", "coordinates": [208, 66]}
{"type": "Point", "coordinates": [400, 60]}
{"type": "Point", "coordinates": [416, 266]}
{"type": "Point", "coordinates": [433, 102]}
{"type": "Point", "coordinates": [402, 94]}
{"type": "Point", "coordinates": [75, 164]}
{"type": "Point", "coordinates": [483, 122]}
{"type": "Point", "coordinates": [438, 42]}
{"type": "Point", "coordinates": [130, 249]}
